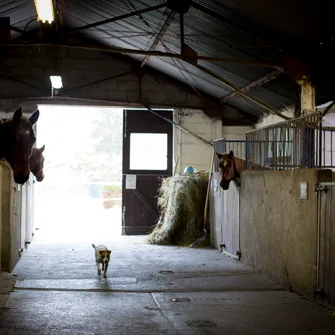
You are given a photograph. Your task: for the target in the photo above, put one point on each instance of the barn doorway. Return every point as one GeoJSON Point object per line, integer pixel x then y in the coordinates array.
{"type": "Point", "coordinates": [147, 158]}
{"type": "Point", "coordinates": [80, 198]}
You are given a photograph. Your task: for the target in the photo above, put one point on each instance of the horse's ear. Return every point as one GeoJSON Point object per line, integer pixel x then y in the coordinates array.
{"type": "Point", "coordinates": [17, 115]}
{"type": "Point", "coordinates": [231, 154]}
{"type": "Point", "coordinates": [218, 156]}
{"type": "Point", "coordinates": [42, 148]}
{"type": "Point", "coordinates": [33, 118]}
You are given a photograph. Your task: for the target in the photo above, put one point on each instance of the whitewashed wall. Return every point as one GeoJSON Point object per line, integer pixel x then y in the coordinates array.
{"type": "Point", "coordinates": [269, 119]}
{"type": "Point", "coordinates": [235, 133]}
{"type": "Point", "coordinates": [192, 151]}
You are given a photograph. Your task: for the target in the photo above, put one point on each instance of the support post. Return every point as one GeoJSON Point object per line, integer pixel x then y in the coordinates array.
{"type": "Point", "coordinates": [307, 103]}
{"type": "Point", "coordinates": [307, 98]}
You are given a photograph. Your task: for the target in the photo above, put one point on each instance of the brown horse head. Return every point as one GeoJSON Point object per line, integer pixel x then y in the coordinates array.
{"type": "Point", "coordinates": [229, 168]}
{"type": "Point", "coordinates": [17, 138]}
{"type": "Point", "coordinates": [37, 162]}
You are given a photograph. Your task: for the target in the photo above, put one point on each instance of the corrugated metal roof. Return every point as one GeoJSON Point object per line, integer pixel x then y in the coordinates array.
{"type": "Point", "coordinates": [235, 30]}
{"type": "Point", "coordinates": [20, 13]}
{"type": "Point", "coordinates": [298, 18]}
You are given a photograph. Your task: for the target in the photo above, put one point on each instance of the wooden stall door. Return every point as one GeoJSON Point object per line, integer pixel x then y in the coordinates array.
{"type": "Point", "coordinates": [225, 206]}
{"type": "Point", "coordinates": [147, 157]}
{"type": "Point", "coordinates": [231, 220]}
{"type": "Point", "coordinates": [327, 247]}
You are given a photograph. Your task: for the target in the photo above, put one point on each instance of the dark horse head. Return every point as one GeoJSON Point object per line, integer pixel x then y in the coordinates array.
{"type": "Point", "coordinates": [37, 162]}
{"type": "Point", "coordinates": [229, 168]}
{"type": "Point", "coordinates": [17, 138]}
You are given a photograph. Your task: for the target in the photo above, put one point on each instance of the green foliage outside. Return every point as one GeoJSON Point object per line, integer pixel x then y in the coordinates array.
{"type": "Point", "coordinates": [112, 188]}
{"type": "Point", "coordinates": [103, 160]}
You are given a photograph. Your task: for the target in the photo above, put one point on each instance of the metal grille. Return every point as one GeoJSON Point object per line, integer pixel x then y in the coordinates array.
{"type": "Point", "coordinates": [222, 145]}
{"type": "Point", "coordinates": [286, 145]}
{"type": "Point", "coordinates": [328, 147]}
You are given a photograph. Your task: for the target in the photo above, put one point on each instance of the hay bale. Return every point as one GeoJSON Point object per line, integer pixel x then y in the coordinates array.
{"type": "Point", "coordinates": [182, 203]}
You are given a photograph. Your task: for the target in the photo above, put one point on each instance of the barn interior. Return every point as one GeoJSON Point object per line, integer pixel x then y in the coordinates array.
{"type": "Point", "coordinates": [135, 98]}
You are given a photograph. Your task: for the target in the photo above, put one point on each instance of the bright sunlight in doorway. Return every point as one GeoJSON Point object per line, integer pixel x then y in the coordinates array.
{"type": "Point", "coordinates": [80, 198]}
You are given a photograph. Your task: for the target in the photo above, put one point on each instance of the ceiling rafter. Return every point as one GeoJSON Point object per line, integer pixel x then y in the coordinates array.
{"type": "Point", "coordinates": [219, 78]}
{"type": "Point", "coordinates": [126, 51]}
{"type": "Point", "coordinates": [260, 35]}
{"type": "Point", "coordinates": [170, 16]}
{"type": "Point", "coordinates": [254, 83]}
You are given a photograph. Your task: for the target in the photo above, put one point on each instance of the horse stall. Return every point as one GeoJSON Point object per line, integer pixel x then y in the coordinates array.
{"type": "Point", "coordinates": [11, 224]}
{"type": "Point", "coordinates": [225, 205]}
{"type": "Point", "coordinates": [15, 200]}
{"type": "Point", "coordinates": [281, 220]}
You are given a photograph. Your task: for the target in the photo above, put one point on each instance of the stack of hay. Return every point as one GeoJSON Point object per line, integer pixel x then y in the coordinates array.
{"type": "Point", "coordinates": [182, 203]}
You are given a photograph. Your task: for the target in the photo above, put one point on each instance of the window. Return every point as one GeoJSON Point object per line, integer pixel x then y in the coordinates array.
{"type": "Point", "coordinates": [148, 151]}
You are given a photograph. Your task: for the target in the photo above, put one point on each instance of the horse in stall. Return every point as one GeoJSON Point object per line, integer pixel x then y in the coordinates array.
{"type": "Point", "coordinates": [17, 138]}
{"type": "Point", "coordinates": [37, 162]}
{"type": "Point", "coordinates": [230, 168]}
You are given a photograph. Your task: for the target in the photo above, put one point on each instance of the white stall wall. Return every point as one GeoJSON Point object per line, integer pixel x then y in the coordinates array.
{"type": "Point", "coordinates": [269, 119]}
{"type": "Point", "coordinates": [192, 151]}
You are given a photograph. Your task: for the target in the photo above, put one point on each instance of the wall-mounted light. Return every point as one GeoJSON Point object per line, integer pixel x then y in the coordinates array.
{"type": "Point", "coordinates": [45, 11]}
{"type": "Point", "coordinates": [56, 82]}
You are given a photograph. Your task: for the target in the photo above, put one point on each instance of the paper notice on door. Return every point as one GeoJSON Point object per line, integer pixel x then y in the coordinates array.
{"type": "Point", "coordinates": [131, 182]}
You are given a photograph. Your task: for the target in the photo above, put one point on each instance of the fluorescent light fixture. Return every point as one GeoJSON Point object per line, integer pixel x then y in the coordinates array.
{"type": "Point", "coordinates": [56, 82]}
{"type": "Point", "coordinates": [45, 11]}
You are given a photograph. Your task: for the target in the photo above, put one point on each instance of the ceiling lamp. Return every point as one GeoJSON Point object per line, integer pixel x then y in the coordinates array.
{"type": "Point", "coordinates": [45, 11]}
{"type": "Point", "coordinates": [56, 82]}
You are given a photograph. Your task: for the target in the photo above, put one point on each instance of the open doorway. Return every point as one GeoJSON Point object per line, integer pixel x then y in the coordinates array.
{"type": "Point", "coordinates": [80, 198]}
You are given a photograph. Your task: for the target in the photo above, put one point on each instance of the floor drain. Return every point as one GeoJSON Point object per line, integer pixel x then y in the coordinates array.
{"type": "Point", "coordinates": [165, 272]}
{"type": "Point", "coordinates": [201, 323]}
{"type": "Point", "coordinates": [180, 299]}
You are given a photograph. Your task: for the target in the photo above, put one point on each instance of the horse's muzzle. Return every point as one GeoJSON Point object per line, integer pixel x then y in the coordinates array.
{"type": "Point", "coordinates": [21, 178]}
{"type": "Point", "coordinates": [224, 185]}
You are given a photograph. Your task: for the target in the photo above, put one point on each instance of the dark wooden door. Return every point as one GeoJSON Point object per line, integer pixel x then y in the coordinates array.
{"type": "Point", "coordinates": [147, 157]}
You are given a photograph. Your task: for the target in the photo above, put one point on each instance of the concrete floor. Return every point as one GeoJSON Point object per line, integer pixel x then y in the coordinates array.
{"type": "Point", "coordinates": [150, 290]}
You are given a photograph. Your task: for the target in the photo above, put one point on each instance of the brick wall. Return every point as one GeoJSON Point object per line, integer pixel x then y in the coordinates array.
{"type": "Point", "coordinates": [25, 75]}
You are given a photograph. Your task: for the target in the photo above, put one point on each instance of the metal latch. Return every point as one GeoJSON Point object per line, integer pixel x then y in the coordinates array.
{"type": "Point", "coordinates": [222, 245]}
{"type": "Point", "coordinates": [318, 188]}
{"type": "Point", "coordinates": [239, 254]}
